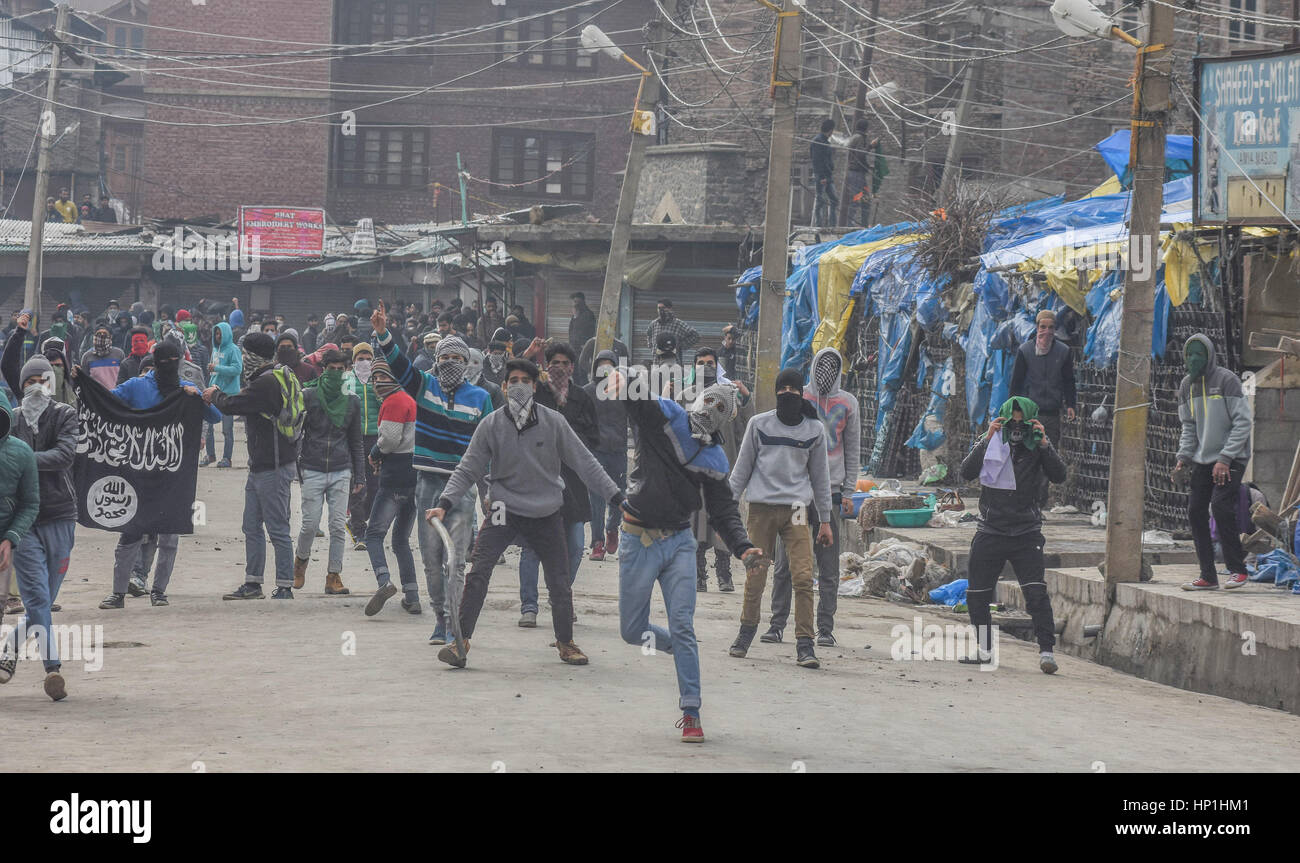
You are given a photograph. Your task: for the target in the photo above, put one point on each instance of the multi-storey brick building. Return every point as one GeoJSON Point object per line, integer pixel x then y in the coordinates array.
{"type": "Point", "coordinates": [531, 118]}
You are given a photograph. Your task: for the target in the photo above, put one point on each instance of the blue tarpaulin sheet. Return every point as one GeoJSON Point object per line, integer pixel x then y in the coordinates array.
{"type": "Point", "coordinates": [1115, 151]}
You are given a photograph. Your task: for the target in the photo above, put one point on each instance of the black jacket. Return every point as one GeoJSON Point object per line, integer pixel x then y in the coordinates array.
{"type": "Point", "coordinates": [54, 440]}
{"type": "Point", "coordinates": [665, 493]}
{"type": "Point", "coordinates": [822, 157]}
{"type": "Point", "coordinates": [325, 446]}
{"type": "Point", "coordinates": [1012, 513]}
{"type": "Point", "coordinates": [582, 326]}
{"type": "Point", "coordinates": [580, 413]}
{"type": "Point", "coordinates": [1048, 380]}
{"type": "Point", "coordinates": [611, 414]}
{"type": "Point", "coordinates": [260, 396]}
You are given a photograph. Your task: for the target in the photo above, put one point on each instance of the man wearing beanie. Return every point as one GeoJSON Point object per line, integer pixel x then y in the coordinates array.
{"type": "Point", "coordinates": [272, 461]}
{"type": "Point", "coordinates": [394, 504]}
{"type": "Point", "coordinates": [40, 560]}
{"type": "Point", "coordinates": [782, 470]}
{"type": "Point", "coordinates": [141, 393]}
{"type": "Point", "coordinates": [288, 355]}
{"type": "Point", "coordinates": [448, 410]}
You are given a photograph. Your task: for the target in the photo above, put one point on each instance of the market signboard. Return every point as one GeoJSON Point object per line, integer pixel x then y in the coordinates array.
{"type": "Point", "coordinates": [282, 232]}
{"type": "Point", "coordinates": [1248, 139]}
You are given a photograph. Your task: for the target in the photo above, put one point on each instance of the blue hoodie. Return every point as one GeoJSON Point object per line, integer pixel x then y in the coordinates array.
{"type": "Point", "coordinates": [229, 362]}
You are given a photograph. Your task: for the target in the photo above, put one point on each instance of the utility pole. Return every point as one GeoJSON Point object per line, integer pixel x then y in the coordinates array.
{"type": "Point", "coordinates": [611, 294]}
{"type": "Point", "coordinates": [464, 192]}
{"type": "Point", "coordinates": [787, 62]}
{"type": "Point", "coordinates": [860, 105]}
{"type": "Point", "coordinates": [957, 140]}
{"type": "Point", "coordinates": [1128, 441]}
{"type": "Point", "coordinates": [47, 129]}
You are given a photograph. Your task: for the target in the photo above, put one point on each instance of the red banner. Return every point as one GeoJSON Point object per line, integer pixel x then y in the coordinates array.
{"type": "Point", "coordinates": [282, 232]}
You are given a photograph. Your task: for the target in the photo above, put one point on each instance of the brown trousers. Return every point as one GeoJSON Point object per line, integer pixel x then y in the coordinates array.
{"type": "Point", "coordinates": [766, 523]}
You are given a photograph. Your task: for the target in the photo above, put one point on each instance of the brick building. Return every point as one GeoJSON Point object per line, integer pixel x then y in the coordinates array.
{"type": "Point", "coordinates": [531, 118]}
{"type": "Point", "coordinates": [1040, 102]}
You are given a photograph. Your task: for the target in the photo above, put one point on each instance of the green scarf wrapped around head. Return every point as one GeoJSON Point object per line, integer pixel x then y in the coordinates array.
{"type": "Point", "coordinates": [1029, 412]}
{"type": "Point", "coordinates": [330, 389]}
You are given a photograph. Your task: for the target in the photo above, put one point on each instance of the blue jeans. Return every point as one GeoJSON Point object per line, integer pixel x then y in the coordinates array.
{"type": "Point", "coordinates": [318, 489]}
{"type": "Point", "coordinates": [671, 562]}
{"type": "Point", "coordinates": [529, 562]}
{"type": "Point", "coordinates": [41, 562]}
{"type": "Point", "coordinates": [266, 502]}
{"type": "Point", "coordinates": [227, 436]}
{"type": "Point", "coordinates": [428, 488]}
{"type": "Point", "coordinates": [395, 509]}
{"type": "Point", "coordinates": [615, 464]}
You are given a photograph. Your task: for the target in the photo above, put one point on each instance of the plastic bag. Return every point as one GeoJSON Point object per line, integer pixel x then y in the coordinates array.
{"type": "Point", "coordinates": [998, 470]}
{"type": "Point", "coordinates": [1276, 567]}
{"type": "Point", "coordinates": [854, 586]}
{"type": "Point", "coordinates": [950, 594]}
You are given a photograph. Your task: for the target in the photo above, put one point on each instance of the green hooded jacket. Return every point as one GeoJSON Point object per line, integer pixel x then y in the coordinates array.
{"type": "Point", "coordinates": [20, 495]}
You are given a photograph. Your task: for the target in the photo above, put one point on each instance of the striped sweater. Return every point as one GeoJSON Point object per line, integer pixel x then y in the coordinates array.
{"type": "Point", "coordinates": [396, 443]}
{"type": "Point", "coordinates": [443, 424]}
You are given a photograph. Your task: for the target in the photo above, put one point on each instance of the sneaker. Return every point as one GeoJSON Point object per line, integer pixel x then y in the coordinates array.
{"type": "Point", "coordinates": [114, 600]}
{"type": "Point", "coordinates": [1201, 584]}
{"type": "Point", "coordinates": [804, 655]}
{"type": "Point", "coordinates": [1047, 662]}
{"type": "Point", "coordinates": [772, 636]}
{"type": "Point", "coordinates": [55, 688]}
{"type": "Point", "coordinates": [56, 607]}
{"type": "Point", "coordinates": [825, 639]}
{"type": "Point", "coordinates": [319, 533]}
{"type": "Point", "coordinates": [8, 661]}
{"type": "Point", "coordinates": [702, 584]}
{"type": "Point", "coordinates": [528, 620]}
{"type": "Point", "coordinates": [455, 654]}
{"type": "Point", "coordinates": [439, 634]}
{"type": "Point", "coordinates": [692, 732]}
{"type": "Point", "coordinates": [740, 646]}
{"type": "Point", "coordinates": [569, 653]}
{"type": "Point", "coordinates": [725, 585]}
{"type": "Point", "coordinates": [376, 603]}
{"type": "Point", "coordinates": [225, 462]}
{"type": "Point", "coordinates": [247, 590]}
{"type": "Point", "coordinates": [136, 586]}
{"type": "Point", "coordinates": [360, 545]}
{"type": "Point", "coordinates": [157, 598]}
{"type": "Point", "coordinates": [611, 542]}
{"type": "Point", "coordinates": [282, 593]}
{"type": "Point", "coordinates": [13, 605]}
{"type": "Point", "coordinates": [598, 552]}
{"type": "Point", "coordinates": [979, 657]}
{"type": "Point", "coordinates": [412, 606]}
{"type": "Point", "coordinates": [206, 460]}
{"type": "Point", "coordinates": [1235, 580]}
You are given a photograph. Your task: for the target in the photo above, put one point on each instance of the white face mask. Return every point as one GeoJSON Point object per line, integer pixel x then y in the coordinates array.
{"type": "Point", "coordinates": [362, 370]}
{"type": "Point", "coordinates": [36, 398]}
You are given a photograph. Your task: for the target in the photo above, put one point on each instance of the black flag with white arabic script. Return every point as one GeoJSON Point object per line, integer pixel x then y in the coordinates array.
{"type": "Point", "coordinates": [135, 471]}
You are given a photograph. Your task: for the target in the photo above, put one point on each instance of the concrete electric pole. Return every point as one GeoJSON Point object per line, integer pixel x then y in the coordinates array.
{"type": "Point", "coordinates": [46, 130]}
{"type": "Point", "coordinates": [787, 61]}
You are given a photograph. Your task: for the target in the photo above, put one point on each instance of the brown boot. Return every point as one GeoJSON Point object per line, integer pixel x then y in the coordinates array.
{"type": "Point", "coordinates": [334, 585]}
{"type": "Point", "coordinates": [299, 572]}
{"type": "Point", "coordinates": [570, 653]}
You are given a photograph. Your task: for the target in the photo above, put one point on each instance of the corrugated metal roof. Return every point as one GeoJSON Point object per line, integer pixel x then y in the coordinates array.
{"type": "Point", "coordinates": [63, 237]}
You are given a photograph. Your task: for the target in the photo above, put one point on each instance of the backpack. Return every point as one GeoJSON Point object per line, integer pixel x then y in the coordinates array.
{"type": "Point", "coordinates": [293, 413]}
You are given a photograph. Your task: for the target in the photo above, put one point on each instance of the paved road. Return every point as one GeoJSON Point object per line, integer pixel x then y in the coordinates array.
{"type": "Point", "coordinates": [224, 686]}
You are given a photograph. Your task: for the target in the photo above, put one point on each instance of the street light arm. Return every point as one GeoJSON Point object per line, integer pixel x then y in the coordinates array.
{"type": "Point", "coordinates": [1120, 34]}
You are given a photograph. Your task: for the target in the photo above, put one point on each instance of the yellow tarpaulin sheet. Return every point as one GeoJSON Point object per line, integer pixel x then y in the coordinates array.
{"type": "Point", "coordinates": [1110, 187]}
{"type": "Point", "coordinates": [835, 272]}
{"type": "Point", "coordinates": [641, 271]}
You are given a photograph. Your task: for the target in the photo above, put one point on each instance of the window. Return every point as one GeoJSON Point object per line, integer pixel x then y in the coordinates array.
{"type": "Point", "coordinates": [363, 22]}
{"type": "Point", "coordinates": [395, 158]}
{"type": "Point", "coordinates": [119, 158]}
{"type": "Point", "coordinates": [555, 38]}
{"type": "Point", "coordinates": [1242, 31]}
{"type": "Point", "coordinates": [554, 164]}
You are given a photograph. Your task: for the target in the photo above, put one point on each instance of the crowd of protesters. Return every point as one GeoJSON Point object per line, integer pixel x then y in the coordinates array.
{"type": "Point", "coordinates": [463, 426]}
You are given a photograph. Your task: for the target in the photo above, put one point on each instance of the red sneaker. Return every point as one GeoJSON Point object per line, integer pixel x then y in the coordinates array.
{"type": "Point", "coordinates": [1201, 584]}
{"type": "Point", "coordinates": [611, 542]}
{"type": "Point", "coordinates": [598, 551]}
{"type": "Point", "coordinates": [1235, 580]}
{"type": "Point", "coordinates": [692, 731]}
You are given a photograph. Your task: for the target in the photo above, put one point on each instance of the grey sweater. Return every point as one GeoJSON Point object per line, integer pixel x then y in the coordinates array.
{"type": "Point", "coordinates": [783, 465]}
{"type": "Point", "coordinates": [1214, 413]}
{"type": "Point", "coordinates": [523, 467]}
